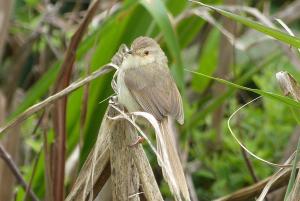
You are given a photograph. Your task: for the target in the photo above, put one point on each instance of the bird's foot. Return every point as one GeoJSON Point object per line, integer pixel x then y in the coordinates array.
{"type": "Point", "coordinates": [137, 142]}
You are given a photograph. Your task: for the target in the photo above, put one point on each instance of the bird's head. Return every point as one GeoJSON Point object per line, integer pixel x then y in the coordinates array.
{"type": "Point", "coordinates": [147, 49]}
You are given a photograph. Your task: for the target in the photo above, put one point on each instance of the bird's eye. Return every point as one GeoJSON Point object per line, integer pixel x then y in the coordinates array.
{"type": "Point", "coordinates": [146, 52]}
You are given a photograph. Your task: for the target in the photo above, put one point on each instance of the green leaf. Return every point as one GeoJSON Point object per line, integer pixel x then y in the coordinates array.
{"type": "Point", "coordinates": [32, 3]}
{"type": "Point", "coordinates": [208, 60]}
{"type": "Point", "coordinates": [176, 8]}
{"type": "Point", "coordinates": [188, 29]}
{"type": "Point", "coordinates": [271, 95]}
{"type": "Point", "coordinates": [38, 90]}
{"type": "Point", "coordinates": [160, 14]}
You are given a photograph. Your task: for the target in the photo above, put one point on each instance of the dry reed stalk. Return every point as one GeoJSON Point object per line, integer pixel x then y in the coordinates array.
{"type": "Point", "coordinates": [12, 145]}
{"type": "Point", "coordinates": [113, 158]}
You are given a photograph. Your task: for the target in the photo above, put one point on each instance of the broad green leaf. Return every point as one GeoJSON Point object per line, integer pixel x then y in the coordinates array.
{"type": "Point", "coordinates": [188, 29]}
{"type": "Point", "coordinates": [208, 60]}
{"type": "Point", "coordinates": [160, 14]}
{"type": "Point", "coordinates": [177, 6]}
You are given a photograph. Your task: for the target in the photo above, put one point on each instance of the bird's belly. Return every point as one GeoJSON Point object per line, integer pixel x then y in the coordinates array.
{"type": "Point", "coordinates": [124, 96]}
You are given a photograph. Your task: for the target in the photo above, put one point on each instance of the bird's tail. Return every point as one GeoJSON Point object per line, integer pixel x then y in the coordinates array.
{"type": "Point", "coordinates": [171, 168]}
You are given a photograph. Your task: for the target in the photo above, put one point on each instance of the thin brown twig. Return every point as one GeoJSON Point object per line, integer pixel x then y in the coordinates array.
{"type": "Point", "coordinates": [32, 175]}
{"type": "Point", "coordinates": [247, 161]}
{"type": "Point", "coordinates": [16, 172]}
{"type": "Point", "coordinates": [255, 189]}
{"type": "Point", "coordinates": [51, 99]}
{"type": "Point", "coordinates": [38, 123]}
{"type": "Point", "coordinates": [249, 165]}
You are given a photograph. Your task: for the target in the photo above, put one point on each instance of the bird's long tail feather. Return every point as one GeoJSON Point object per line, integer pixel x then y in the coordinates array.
{"type": "Point", "coordinates": [171, 168]}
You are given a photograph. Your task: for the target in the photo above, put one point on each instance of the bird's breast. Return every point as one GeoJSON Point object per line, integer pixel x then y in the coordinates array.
{"type": "Point", "coordinates": [124, 96]}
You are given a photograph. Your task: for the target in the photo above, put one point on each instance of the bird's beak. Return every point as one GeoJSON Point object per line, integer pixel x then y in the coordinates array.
{"type": "Point", "coordinates": [129, 51]}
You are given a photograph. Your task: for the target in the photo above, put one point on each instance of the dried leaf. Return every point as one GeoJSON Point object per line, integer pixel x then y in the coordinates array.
{"type": "Point", "coordinates": [288, 84]}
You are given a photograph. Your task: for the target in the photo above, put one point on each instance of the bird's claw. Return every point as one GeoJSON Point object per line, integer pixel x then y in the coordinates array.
{"type": "Point", "coordinates": [137, 142]}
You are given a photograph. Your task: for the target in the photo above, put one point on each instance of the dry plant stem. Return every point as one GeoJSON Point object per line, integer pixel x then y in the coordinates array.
{"type": "Point", "coordinates": [12, 144]}
{"type": "Point", "coordinates": [191, 186]}
{"type": "Point", "coordinates": [290, 12]}
{"type": "Point", "coordinates": [124, 176]}
{"type": "Point", "coordinates": [102, 180]}
{"type": "Point", "coordinates": [13, 167]}
{"type": "Point", "coordinates": [254, 190]}
{"type": "Point", "coordinates": [188, 173]}
{"type": "Point", "coordinates": [78, 192]}
{"type": "Point", "coordinates": [102, 159]}
{"type": "Point", "coordinates": [98, 175]}
{"type": "Point", "coordinates": [99, 169]}
{"type": "Point", "coordinates": [5, 10]}
{"type": "Point", "coordinates": [146, 175]}
{"type": "Point", "coordinates": [50, 100]}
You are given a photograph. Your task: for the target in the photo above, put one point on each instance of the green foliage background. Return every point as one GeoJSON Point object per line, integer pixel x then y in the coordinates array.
{"type": "Point", "coordinates": [265, 126]}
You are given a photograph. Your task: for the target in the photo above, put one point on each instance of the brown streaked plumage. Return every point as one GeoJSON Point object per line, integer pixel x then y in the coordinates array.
{"type": "Point", "coordinates": [145, 84]}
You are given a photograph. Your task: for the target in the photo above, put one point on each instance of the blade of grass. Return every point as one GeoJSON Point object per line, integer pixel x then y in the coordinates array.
{"type": "Point", "coordinates": [291, 183]}
{"type": "Point", "coordinates": [275, 33]}
{"type": "Point", "coordinates": [273, 96]}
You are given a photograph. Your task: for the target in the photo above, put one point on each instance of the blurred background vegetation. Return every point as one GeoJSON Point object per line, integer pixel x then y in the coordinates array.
{"type": "Point", "coordinates": [34, 38]}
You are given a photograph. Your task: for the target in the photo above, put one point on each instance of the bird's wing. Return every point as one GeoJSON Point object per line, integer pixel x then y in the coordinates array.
{"type": "Point", "coordinates": [155, 91]}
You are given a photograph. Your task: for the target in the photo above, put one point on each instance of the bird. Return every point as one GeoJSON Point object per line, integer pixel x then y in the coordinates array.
{"type": "Point", "coordinates": [144, 83]}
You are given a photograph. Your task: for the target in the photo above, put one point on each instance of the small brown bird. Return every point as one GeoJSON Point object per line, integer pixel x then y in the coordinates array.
{"type": "Point", "coordinates": [144, 83]}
